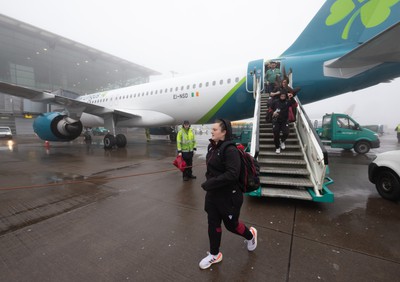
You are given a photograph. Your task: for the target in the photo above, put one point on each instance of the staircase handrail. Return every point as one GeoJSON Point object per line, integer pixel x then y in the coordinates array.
{"type": "Point", "coordinates": [314, 151]}
{"type": "Point", "coordinates": [255, 146]}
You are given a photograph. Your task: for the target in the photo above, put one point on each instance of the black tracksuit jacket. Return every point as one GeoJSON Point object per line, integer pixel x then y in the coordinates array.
{"type": "Point", "coordinates": [223, 168]}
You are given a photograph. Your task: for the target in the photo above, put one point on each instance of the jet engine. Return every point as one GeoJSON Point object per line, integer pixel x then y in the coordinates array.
{"type": "Point", "coordinates": [56, 126]}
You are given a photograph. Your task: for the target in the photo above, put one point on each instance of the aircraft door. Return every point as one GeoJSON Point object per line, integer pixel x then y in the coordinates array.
{"type": "Point", "coordinates": [256, 67]}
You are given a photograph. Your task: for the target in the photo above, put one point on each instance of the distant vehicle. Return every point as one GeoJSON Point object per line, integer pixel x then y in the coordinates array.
{"type": "Point", "coordinates": [99, 131]}
{"type": "Point", "coordinates": [384, 172]}
{"type": "Point", "coordinates": [5, 132]}
{"type": "Point", "coordinates": [377, 128]}
{"type": "Point", "coordinates": [171, 131]}
{"type": "Point", "coordinates": [341, 131]}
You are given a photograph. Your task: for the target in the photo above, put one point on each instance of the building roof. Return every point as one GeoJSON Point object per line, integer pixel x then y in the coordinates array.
{"type": "Point", "coordinates": [62, 62]}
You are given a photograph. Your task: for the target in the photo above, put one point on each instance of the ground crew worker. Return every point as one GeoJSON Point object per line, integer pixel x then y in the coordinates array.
{"type": "Point", "coordinates": [186, 145]}
{"type": "Point", "coordinates": [398, 132]}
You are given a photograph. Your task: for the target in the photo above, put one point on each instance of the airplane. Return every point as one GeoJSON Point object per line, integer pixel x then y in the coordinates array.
{"type": "Point", "coordinates": [347, 46]}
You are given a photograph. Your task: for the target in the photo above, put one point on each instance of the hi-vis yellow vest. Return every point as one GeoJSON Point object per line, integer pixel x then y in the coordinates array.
{"type": "Point", "coordinates": [185, 140]}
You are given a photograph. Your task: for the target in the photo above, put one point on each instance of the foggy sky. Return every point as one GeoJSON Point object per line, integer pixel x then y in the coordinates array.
{"type": "Point", "coordinates": [185, 36]}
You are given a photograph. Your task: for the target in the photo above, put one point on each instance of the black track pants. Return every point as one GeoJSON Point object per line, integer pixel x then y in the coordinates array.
{"type": "Point", "coordinates": [277, 127]}
{"type": "Point", "coordinates": [188, 158]}
{"type": "Point", "coordinates": [224, 207]}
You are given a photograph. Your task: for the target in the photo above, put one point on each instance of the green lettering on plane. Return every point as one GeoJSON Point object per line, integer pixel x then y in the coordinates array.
{"type": "Point", "coordinates": [372, 13]}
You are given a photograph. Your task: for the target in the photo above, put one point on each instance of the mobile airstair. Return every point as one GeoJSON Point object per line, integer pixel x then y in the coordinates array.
{"type": "Point", "coordinates": [299, 171]}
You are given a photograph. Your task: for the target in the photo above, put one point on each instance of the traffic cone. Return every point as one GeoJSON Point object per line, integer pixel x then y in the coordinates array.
{"type": "Point", "coordinates": [46, 144]}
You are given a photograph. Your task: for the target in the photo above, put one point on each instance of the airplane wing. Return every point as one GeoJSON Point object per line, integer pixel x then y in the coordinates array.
{"type": "Point", "coordinates": [143, 117]}
{"type": "Point", "coordinates": [383, 48]}
{"type": "Point", "coordinates": [75, 106]}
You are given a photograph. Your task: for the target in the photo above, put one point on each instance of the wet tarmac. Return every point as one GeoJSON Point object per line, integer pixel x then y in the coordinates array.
{"type": "Point", "coordinates": [74, 212]}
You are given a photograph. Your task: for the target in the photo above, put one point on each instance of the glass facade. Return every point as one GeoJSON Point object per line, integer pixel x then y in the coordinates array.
{"type": "Point", "coordinates": [41, 60]}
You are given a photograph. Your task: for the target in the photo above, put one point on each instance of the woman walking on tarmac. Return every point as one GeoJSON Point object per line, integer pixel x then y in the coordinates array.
{"type": "Point", "coordinates": [223, 198]}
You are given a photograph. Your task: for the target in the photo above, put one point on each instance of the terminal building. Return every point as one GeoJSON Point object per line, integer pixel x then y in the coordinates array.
{"type": "Point", "coordinates": [35, 58]}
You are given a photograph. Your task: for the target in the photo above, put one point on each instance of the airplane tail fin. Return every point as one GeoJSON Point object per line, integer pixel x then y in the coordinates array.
{"type": "Point", "coordinates": [345, 24]}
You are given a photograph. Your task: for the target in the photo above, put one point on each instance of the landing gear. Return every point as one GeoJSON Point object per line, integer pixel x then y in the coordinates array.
{"type": "Point", "coordinates": [110, 141]}
{"type": "Point", "coordinates": [121, 141]}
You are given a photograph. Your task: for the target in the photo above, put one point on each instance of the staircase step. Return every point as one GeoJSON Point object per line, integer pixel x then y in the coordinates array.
{"type": "Point", "coordinates": [289, 140]}
{"type": "Point", "coordinates": [284, 170]}
{"type": "Point", "coordinates": [281, 161]}
{"type": "Point", "coordinates": [286, 181]}
{"type": "Point", "coordinates": [286, 193]}
{"type": "Point", "coordinates": [272, 146]}
{"type": "Point", "coordinates": [282, 154]}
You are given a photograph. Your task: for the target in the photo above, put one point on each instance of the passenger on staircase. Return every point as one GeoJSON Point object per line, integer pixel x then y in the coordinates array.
{"type": "Point", "coordinates": [271, 76]}
{"type": "Point", "coordinates": [284, 88]}
{"type": "Point", "coordinates": [280, 116]}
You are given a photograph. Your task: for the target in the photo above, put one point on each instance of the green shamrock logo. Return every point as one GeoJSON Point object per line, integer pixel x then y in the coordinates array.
{"type": "Point", "coordinates": [372, 13]}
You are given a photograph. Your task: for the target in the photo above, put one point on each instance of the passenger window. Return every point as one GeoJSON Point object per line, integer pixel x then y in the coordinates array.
{"type": "Point", "coordinates": [207, 84]}
{"type": "Point", "coordinates": [194, 86]}
{"type": "Point", "coordinates": [221, 82]}
{"type": "Point", "coordinates": [151, 93]}
{"type": "Point", "coordinates": [214, 82]}
{"type": "Point", "coordinates": [188, 87]}
{"type": "Point", "coordinates": [200, 85]}
{"type": "Point", "coordinates": [160, 91]}
{"type": "Point", "coordinates": [182, 87]}
{"type": "Point", "coordinates": [171, 89]}
{"type": "Point", "coordinates": [228, 81]}
{"type": "Point", "coordinates": [237, 79]}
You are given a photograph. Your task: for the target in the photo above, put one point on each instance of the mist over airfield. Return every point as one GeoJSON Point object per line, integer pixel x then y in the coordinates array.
{"type": "Point", "coordinates": [179, 37]}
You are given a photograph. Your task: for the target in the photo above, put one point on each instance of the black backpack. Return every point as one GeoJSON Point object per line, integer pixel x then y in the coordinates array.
{"type": "Point", "coordinates": [249, 178]}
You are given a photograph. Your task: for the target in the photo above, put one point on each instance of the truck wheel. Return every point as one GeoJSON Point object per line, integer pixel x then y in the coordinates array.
{"type": "Point", "coordinates": [388, 185]}
{"type": "Point", "coordinates": [362, 147]}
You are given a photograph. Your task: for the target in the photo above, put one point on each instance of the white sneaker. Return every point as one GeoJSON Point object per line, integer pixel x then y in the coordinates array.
{"type": "Point", "coordinates": [283, 145]}
{"type": "Point", "coordinates": [252, 244]}
{"type": "Point", "coordinates": [278, 151]}
{"type": "Point", "coordinates": [209, 260]}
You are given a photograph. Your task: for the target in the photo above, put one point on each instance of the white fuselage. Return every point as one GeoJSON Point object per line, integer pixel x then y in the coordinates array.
{"type": "Point", "coordinates": [166, 102]}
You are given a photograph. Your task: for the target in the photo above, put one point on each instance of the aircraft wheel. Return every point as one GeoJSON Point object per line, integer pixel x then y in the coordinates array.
{"type": "Point", "coordinates": [109, 141]}
{"type": "Point", "coordinates": [388, 185]}
{"type": "Point", "coordinates": [362, 147]}
{"type": "Point", "coordinates": [121, 141]}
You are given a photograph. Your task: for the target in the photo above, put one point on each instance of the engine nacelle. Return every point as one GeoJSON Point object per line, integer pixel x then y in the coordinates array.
{"type": "Point", "coordinates": [55, 126]}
